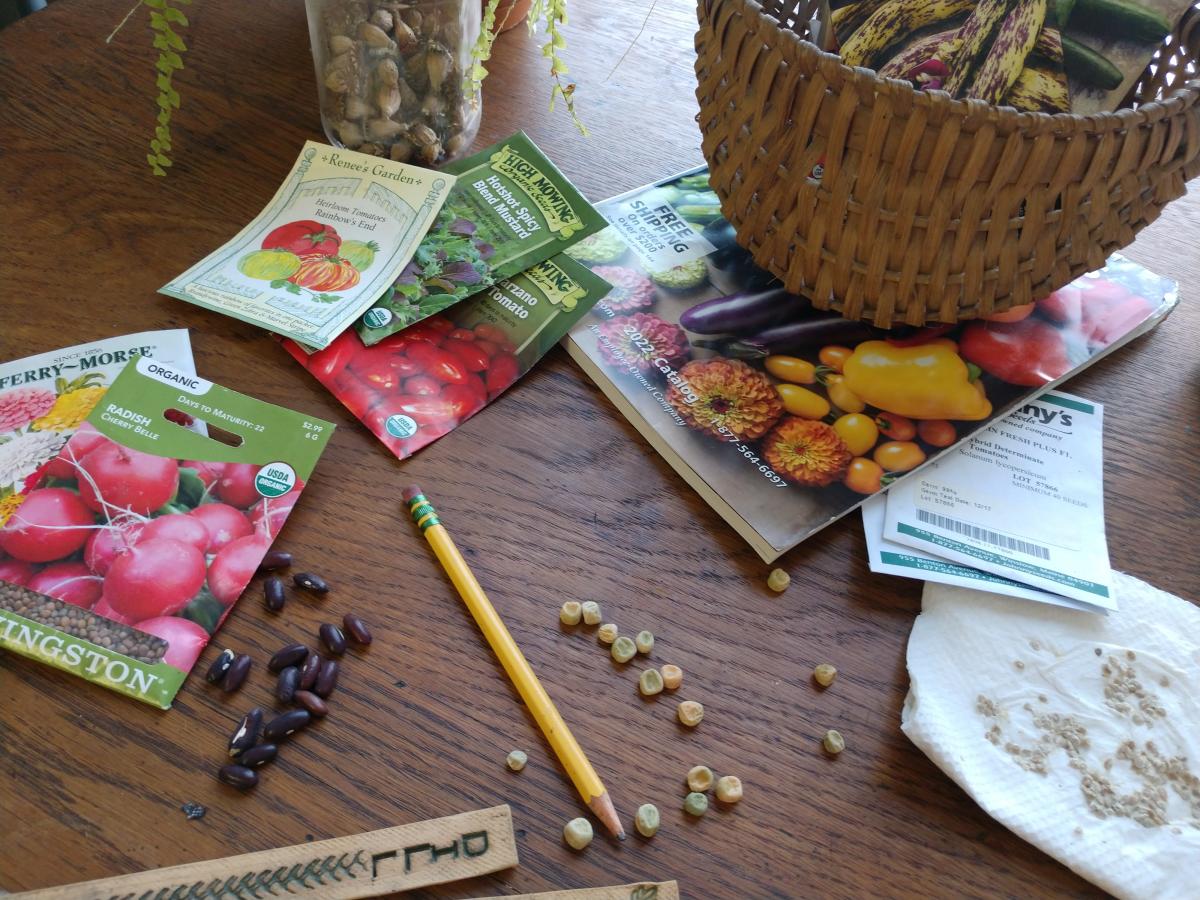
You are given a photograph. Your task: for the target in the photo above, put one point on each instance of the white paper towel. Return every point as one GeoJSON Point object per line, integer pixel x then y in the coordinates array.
{"type": "Point", "coordinates": [1079, 732]}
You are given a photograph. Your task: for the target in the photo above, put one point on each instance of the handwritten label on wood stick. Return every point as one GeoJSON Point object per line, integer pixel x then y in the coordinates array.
{"type": "Point", "coordinates": [643, 890]}
{"type": "Point", "coordinates": [361, 865]}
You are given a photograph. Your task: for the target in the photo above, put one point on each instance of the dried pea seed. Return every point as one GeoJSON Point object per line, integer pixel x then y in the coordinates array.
{"type": "Point", "coordinates": [729, 789]}
{"type": "Point", "coordinates": [672, 676]}
{"type": "Point", "coordinates": [690, 713]}
{"type": "Point", "coordinates": [644, 642]}
{"type": "Point", "coordinates": [571, 613]}
{"type": "Point", "coordinates": [607, 633]}
{"type": "Point", "coordinates": [591, 612]}
{"type": "Point", "coordinates": [778, 580]}
{"type": "Point", "coordinates": [833, 742]}
{"type": "Point", "coordinates": [647, 820]}
{"type": "Point", "coordinates": [578, 833]}
{"type": "Point", "coordinates": [824, 674]}
{"type": "Point", "coordinates": [516, 760]}
{"type": "Point", "coordinates": [650, 683]}
{"type": "Point", "coordinates": [699, 778]}
{"type": "Point", "coordinates": [623, 649]}
{"type": "Point", "coordinates": [695, 803]}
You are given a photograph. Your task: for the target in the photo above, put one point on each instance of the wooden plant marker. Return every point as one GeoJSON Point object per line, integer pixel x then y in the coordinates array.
{"type": "Point", "coordinates": [360, 865]}
{"type": "Point", "coordinates": [643, 890]}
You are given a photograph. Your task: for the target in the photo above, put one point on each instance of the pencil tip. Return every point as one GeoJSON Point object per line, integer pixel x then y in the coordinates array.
{"type": "Point", "coordinates": [411, 491]}
{"type": "Point", "coordinates": [621, 836]}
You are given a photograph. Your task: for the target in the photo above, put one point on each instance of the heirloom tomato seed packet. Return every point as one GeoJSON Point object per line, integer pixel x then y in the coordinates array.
{"type": "Point", "coordinates": [423, 382]}
{"type": "Point", "coordinates": [335, 236]}
{"type": "Point", "coordinates": [510, 209]}
{"type": "Point", "coordinates": [133, 543]}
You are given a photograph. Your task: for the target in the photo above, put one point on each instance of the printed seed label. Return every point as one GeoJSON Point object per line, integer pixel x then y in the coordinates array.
{"type": "Point", "coordinates": [275, 479]}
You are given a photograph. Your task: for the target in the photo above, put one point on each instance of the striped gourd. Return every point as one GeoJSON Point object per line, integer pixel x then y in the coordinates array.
{"type": "Point", "coordinates": [1049, 45]}
{"type": "Point", "coordinates": [975, 36]}
{"type": "Point", "coordinates": [1006, 58]}
{"type": "Point", "coordinates": [1038, 90]}
{"type": "Point", "coordinates": [846, 19]}
{"type": "Point", "coordinates": [940, 44]}
{"type": "Point", "coordinates": [894, 21]}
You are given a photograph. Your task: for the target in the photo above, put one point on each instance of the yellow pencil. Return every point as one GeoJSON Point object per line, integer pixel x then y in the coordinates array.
{"type": "Point", "coordinates": [586, 781]}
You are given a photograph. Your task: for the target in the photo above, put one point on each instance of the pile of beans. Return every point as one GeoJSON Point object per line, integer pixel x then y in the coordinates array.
{"type": "Point", "coordinates": [82, 623]}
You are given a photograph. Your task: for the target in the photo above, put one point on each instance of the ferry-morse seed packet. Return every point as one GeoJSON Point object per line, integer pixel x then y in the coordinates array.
{"type": "Point", "coordinates": [337, 233]}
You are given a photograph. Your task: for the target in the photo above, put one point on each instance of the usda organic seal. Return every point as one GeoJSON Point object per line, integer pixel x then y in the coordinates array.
{"type": "Point", "coordinates": [275, 479]}
{"type": "Point", "coordinates": [400, 426]}
{"type": "Point", "coordinates": [377, 318]}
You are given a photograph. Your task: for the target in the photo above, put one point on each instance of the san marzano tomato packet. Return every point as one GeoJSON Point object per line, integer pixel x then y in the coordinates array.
{"type": "Point", "coordinates": [136, 540]}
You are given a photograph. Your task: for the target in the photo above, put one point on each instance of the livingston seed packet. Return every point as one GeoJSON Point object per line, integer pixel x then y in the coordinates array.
{"type": "Point", "coordinates": [337, 233]}
{"type": "Point", "coordinates": [423, 382]}
{"type": "Point", "coordinates": [135, 541]}
{"type": "Point", "coordinates": [510, 209]}
{"type": "Point", "coordinates": [45, 398]}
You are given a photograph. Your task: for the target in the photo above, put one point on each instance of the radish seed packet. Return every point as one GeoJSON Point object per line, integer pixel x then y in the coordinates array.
{"type": "Point", "coordinates": [132, 545]}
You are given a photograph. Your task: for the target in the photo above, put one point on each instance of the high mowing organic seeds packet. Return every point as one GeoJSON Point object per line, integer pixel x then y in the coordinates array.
{"type": "Point", "coordinates": [337, 233]}
{"type": "Point", "coordinates": [135, 541]}
{"type": "Point", "coordinates": [509, 210]}
{"type": "Point", "coordinates": [421, 383]}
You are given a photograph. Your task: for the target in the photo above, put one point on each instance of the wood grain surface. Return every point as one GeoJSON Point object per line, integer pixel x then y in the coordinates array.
{"type": "Point", "coordinates": [549, 493]}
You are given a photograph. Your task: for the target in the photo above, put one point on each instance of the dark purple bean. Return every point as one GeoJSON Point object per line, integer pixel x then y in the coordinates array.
{"type": "Point", "coordinates": [258, 756]}
{"type": "Point", "coordinates": [283, 725]}
{"type": "Point", "coordinates": [220, 666]}
{"type": "Point", "coordinates": [247, 731]}
{"type": "Point", "coordinates": [357, 629]}
{"type": "Point", "coordinates": [327, 678]}
{"type": "Point", "coordinates": [285, 687]}
{"type": "Point", "coordinates": [273, 593]}
{"type": "Point", "coordinates": [235, 677]}
{"type": "Point", "coordinates": [275, 559]}
{"type": "Point", "coordinates": [310, 582]}
{"type": "Point", "coordinates": [309, 670]}
{"type": "Point", "coordinates": [290, 655]}
{"type": "Point", "coordinates": [312, 703]}
{"type": "Point", "coordinates": [239, 777]}
{"type": "Point", "coordinates": [333, 639]}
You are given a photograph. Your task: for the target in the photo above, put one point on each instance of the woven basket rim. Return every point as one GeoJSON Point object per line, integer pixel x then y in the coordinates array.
{"type": "Point", "coordinates": [1182, 96]}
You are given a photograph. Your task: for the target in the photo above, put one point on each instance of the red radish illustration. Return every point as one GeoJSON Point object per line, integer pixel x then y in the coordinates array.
{"type": "Point", "coordinates": [178, 527]}
{"type": "Point", "coordinates": [224, 524]}
{"type": "Point", "coordinates": [102, 608]}
{"type": "Point", "coordinates": [185, 639]}
{"type": "Point", "coordinates": [71, 582]}
{"type": "Point", "coordinates": [269, 514]}
{"type": "Point", "coordinates": [16, 572]}
{"type": "Point", "coordinates": [154, 578]}
{"type": "Point", "coordinates": [105, 543]}
{"type": "Point", "coordinates": [236, 485]}
{"type": "Point", "coordinates": [82, 442]}
{"type": "Point", "coordinates": [234, 566]}
{"type": "Point", "coordinates": [50, 524]}
{"type": "Point", "coordinates": [208, 472]}
{"type": "Point", "coordinates": [113, 479]}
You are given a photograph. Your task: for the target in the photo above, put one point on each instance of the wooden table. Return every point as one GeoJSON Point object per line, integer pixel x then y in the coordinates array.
{"type": "Point", "coordinates": [551, 494]}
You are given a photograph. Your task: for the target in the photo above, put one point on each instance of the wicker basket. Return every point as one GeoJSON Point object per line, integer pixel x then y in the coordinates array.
{"type": "Point", "coordinates": [929, 209]}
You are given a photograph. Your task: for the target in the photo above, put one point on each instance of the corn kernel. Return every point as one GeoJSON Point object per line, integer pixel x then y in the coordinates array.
{"type": "Point", "coordinates": [700, 778]}
{"type": "Point", "coordinates": [729, 789]}
{"type": "Point", "coordinates": [591, 612]}
{"type": "Point", "coordinates": [607, 633]}
{"type": "Point", "coordinates": [644, 642]}
{"type": "Point", "coordinates": [690, 713]}
{"type": "Point", "coordinates": [672, 676]}
{"type": "Point", "coordinates": [778, 580]}
{"type": "Point", "coordinates": [623, 649]}
{"type": "Point", "coordinates": [650, 683]}
{"type": "Point", "coordinates": [516, 760]}
{"type": "Point", "coordinates": [695, 804]}
{"type": "Point", "coordinates": [833, 742]}
{"type": "Point", "coordinates": [824, 674]}
{"type": "Point", "coordinates": [578, 833]}
{"type": "Point", "coordinates": [571, 613]}
{"type": "Point", "coordinates": [647, 819]}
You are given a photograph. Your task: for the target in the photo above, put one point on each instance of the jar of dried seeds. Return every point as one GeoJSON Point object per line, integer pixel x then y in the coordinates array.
{"type": "Point", "coordinates": [390, 75]}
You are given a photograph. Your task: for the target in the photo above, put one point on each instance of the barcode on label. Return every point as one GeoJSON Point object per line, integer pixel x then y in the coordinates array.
{"type": "Point", "coordinates": [982, 534]}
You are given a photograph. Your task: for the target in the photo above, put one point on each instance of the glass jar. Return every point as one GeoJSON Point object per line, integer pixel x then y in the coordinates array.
{"type": "Point", "coordinates": [390, 75]}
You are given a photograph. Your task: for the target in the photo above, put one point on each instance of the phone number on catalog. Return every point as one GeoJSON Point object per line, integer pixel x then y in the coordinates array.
{"type": "Point", "coordinates": [752, 455]}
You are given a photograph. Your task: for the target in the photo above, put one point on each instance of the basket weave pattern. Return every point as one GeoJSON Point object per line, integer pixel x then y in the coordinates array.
{"type": "Point", "coordinates": [928, 209]}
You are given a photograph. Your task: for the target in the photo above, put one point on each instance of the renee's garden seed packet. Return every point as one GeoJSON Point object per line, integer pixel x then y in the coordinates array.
{"type": "Point", "coordinates": [510, 209]}
{"type": "Point", "coordinates": [785, 418]}
{"type": "Point", "coordinates": [421, 383]}
{"type": "Point", "coordinates": [335, 236]}
{"type": "Point", "coordinates": [45, 398]}
{"type": "Point", "coordinates": [133, 543]}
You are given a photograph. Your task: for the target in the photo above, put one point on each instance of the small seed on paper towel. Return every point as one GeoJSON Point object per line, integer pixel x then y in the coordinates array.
{"type": "Point", "coordinates": [571, 613]}
{"type": "Point", "coordinates": [591, 612]}
{"type": "Point", "coordinates": [778, 580]}
{"type": "Point", "coordinates": [700, 778]}
{"type": "Point", "coordinates": [647, 820]}
{"type": "Point", "coordinates": [650, 683]}
{"type": "Point", "coordinates": [695, 803]}
{"type": "Point", "coordinates": [516, 760]}
{"type": "Point", "coordinates": [607, 633]}
{"type": "Point", "coordinates": [623, 649]}
{"type": "Point", "coordinates": [824, 674]}
{"type": "Point", "coordinates": [729, 789]}
{"type": "Point", "coordinates": [578, 833]}
{"type": "Point", "coordinates": [833, 742]}
{"type": "Point", "coordinates": [644, 642]}
{"type": "Point", "coordinates": [672, 676]}
{"type": "Point", "coordinates": [690, 713]}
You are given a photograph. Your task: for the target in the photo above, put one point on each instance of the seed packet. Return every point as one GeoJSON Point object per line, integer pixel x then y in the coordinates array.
{"type": "Point", "coordinates": [45, 398]}
{"type": "Point", "coordinates": [423, 382]}
{"type": "Point", "coordinates": [1007, 52]}
{"type": "Point", "coordinates": [336, 234]}
{"type": "Point", "coordinates": [1107, 45]}
{"type": "Point", "coordinates": [135, 541]}
{"type": "Point", "coordinates": [510, 209]}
